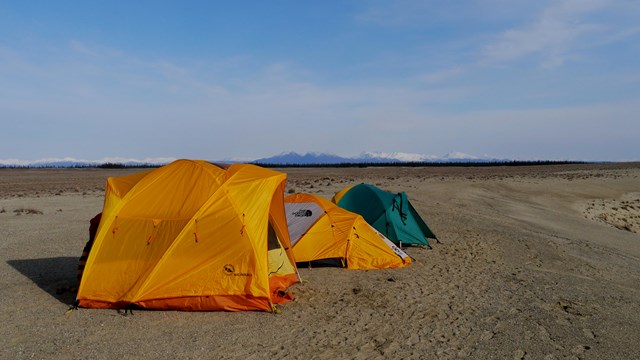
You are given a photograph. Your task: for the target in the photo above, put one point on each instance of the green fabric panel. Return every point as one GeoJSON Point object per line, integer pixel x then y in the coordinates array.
{"type": "Point", "coordinates": [423, 225]}
{"type": "Point", "coordinates": [382, 225]}
{"type": "Point", "coordinates": [399, 223]}
{"type": "Point", "coordinates": [405, 226]}
{"type": "Point", "coordinates": [363, 199]}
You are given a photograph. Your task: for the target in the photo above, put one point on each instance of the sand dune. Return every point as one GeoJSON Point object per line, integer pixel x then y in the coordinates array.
{"type": "Point", "coordinates": [535, 263]}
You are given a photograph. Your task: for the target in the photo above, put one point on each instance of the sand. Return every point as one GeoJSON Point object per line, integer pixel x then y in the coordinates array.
{"type": "Point", "coordinates": [535, 263]}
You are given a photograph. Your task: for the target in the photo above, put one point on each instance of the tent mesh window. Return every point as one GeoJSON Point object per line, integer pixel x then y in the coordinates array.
{"type": "Point", "coordinates": [272, 241]}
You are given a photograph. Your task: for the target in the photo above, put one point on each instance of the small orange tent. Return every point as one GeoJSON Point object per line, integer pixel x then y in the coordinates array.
{"type": "Point", "coordinates": [191, 236]}
{"type": "Point", "coordinates": [320, 230]}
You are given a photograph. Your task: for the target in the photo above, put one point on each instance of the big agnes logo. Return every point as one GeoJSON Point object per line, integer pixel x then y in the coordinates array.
{"type": "Point", "coordinates": [302, 213]}
{"type": "Point", "coordinates": [231, 271]}
{"type": "Point", "coordinates": [228, 269]}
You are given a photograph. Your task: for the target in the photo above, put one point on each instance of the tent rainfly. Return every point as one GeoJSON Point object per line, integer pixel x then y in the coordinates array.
{"type": "Point", "coordinates": [391, 214]}
{"type": "Point", "coordinates": [191, 236]}
{"type": "Point", "coordinates": [323, 233]}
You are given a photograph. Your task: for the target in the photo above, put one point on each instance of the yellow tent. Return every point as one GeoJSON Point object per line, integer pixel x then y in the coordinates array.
{"type": "Point", "coordinates": [321, 231]}
{"type": "Point", "coordinates": [191, 236]}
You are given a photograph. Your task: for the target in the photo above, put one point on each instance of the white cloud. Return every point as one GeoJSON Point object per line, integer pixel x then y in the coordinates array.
{"type": "Point", "coordinates": [549, 33]}
{"type": "Point", "coordinates": [553, 35]}
{"type": "Point", "coordinates": [443, 75]}
{"type": "Point", "coordinates": [81, 48]}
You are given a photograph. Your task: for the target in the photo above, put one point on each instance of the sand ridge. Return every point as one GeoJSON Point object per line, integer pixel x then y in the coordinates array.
{"type": "Point", "coordinates": [623, 213]}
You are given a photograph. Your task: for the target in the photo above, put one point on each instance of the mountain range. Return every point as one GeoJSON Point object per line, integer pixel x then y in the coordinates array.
{"type": "Point", "coordinates": [288, 158]}
{"type": "Point", "coordinates": [293, 158]}
{"type": "Point", "coordinates": [73, 162]}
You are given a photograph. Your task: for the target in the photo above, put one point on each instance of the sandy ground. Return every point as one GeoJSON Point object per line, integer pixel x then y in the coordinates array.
{"type": "Point", "coordinates": [535, 263]}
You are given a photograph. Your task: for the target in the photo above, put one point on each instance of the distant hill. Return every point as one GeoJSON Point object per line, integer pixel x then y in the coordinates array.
{"type": "Point", "coordinates": [71, 162]}
{"type": "Point", "coordinates": [293, 158]}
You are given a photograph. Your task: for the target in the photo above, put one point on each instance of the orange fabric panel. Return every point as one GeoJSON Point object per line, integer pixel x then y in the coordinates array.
{"type": "Point", "coordinates": [173, 192]}
{"type": "Point", "coordinates": [218, 254]}
{"type": "Point", "coordinates": [211, 302]}
{"type": "Point", "coordinates": [101, 304]}
{"type": "Point", "coordinates": [129, 251]}
{"type": "Point", "coordinates": [120, 186]}
{"type": "Point", "coordinates": [368, 251]}
{"type": "Point", "coordinates": [279, 220]}
{"type": "Point", "coordinates": [279, 285]}
{"type": "Point", "coordinates": [321, 241]}
{"type": "Point", "coordinates": [195, 303]}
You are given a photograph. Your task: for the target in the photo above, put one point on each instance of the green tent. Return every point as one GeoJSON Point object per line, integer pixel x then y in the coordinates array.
{"type": "Point", "coordinates": [389, 213]}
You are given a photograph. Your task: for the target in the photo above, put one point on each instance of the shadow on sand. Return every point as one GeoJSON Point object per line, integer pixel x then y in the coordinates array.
{"type": "Point", "coordinates": [53, 275]}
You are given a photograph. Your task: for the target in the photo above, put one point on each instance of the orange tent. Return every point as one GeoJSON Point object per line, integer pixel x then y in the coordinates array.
{"type": "Point", "coordinates": [321, 231]}
{"type": "Point", "coordinates": [191, 236]}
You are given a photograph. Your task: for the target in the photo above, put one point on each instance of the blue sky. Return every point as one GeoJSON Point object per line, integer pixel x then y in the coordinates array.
{"type": "Point", "coordinates": [241, 80]}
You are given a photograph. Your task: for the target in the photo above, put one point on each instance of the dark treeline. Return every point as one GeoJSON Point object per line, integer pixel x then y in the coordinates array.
{"type": "Point", "coordinates": [83, 166]}
{"type": "Point", "coordinates": [125, 166]}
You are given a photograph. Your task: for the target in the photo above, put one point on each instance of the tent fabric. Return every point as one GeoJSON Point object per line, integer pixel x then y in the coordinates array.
{"type": "Point", "coordinates": [390, 213]}
{"type": "Point", "coordinates": [320, 230]}
{"type": "Point", "coordinates": [191, 236]}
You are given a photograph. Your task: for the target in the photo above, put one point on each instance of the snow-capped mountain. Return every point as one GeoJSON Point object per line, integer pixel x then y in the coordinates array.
{"type": "Point", "coordinates": [292, 158]}
{"type": "Point", "coordinates": [459, 156]}
{"type": "Point", "coordinates": [396, 156]}
{"type": "Point", "coordinates": [73, 162]}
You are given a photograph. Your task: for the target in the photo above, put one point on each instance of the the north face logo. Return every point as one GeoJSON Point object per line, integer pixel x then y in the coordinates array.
{"type": "Point", "coordinates": [302, 213]}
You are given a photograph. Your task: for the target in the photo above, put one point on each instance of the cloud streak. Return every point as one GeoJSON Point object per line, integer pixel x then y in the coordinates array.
{"type": "Point", "coordinates": [554, 34]}
{"type": "Point", "coordinates": [132, 98]}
